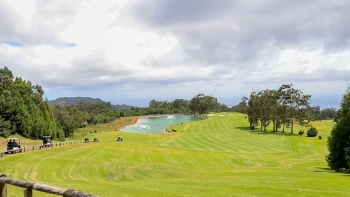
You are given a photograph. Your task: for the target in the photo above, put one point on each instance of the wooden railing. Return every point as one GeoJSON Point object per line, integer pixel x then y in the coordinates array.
{"type": "Point", "coordinates": [30, 186]}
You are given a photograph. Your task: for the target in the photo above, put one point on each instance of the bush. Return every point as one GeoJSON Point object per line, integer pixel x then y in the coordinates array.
{"type": "Point", "coordinates": [301, 132]}
{"type": "Point", "coordinates": [312, 132]}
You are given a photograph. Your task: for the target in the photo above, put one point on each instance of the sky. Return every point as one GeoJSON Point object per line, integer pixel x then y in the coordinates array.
{"type": "Point", "coordinates": [133, 51]}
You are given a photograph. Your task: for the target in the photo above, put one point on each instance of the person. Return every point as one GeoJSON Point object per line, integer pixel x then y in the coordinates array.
{"type": "Point", "coordinates": [9, 142]}
{"type": "Point", "coordinates": [14, 143]}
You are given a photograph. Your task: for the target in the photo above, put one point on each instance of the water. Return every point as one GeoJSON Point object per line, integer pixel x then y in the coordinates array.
{"type": "Point", "coordinates": [158, 124]}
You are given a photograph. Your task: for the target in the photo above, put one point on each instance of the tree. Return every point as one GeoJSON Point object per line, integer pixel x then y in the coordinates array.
{"type": "Point", "coordinates": [180, 106]}
{"type": "Point", "coordinates": [253, 110]}
{"type": "Point", "coordinates": [276, 109]}
{"type": "Point", "coordinates": [264, 109]}
{"type": "Point", "coordinates": [297, 105]}
{"type": "Point", "coordinates": [202, 103]}
{"type": "Point", "coordinates": [338, 141]}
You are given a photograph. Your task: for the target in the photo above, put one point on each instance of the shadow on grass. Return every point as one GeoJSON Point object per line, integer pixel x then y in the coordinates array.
{"type": "Point", "coordinates": [257, 131]}
{"type": "Point", "coordinates": [243, 128]}
{"type": "Point", "coordinates": [329, 170]}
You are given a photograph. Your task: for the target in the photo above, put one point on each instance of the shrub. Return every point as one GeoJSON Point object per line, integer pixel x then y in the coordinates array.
{"type": "Point", "coordinates": [312, 132]}
{"type": "Point", "coordinates": [301, 132]}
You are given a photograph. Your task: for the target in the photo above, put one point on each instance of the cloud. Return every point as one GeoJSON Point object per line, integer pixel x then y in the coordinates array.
{"type": "Point", "coordinates": [25, 24]}
{"type": "Point", "coordinates": [242, 35]}
{"type": "Point", "coordinates": [175, 48]}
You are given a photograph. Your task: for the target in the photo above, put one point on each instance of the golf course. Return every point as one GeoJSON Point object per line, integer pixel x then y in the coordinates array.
{"type": "Point", "coordinates": [217, 156]}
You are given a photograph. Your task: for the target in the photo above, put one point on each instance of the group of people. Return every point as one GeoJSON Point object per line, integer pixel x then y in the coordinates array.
{"type": "Point", "coordinates": [96, 139]}
{"type": "Point", "coordinates": [87, 139]}
{"type": "Point", "coordinates": [12, 143]}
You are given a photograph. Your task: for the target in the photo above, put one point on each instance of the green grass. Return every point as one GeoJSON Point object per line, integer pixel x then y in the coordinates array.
{"type": "Point", "coordinates": [219, 156]}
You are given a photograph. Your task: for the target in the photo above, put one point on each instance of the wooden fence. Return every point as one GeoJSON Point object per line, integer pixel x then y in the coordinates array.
{"type": "Point", "coordinates": [32, 148]}
{"type": "Point", "coordinates": [30, 186]}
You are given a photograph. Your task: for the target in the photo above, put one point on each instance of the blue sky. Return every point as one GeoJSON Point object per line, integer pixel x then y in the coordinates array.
{"type": "Point", "coordinates": [130, 52]}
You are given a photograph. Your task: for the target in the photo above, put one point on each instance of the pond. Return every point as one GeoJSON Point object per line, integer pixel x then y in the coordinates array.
{"type": "Point", "coordinates": [158, 124]}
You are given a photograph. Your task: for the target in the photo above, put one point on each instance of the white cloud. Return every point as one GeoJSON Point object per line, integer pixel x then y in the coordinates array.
{"type": "Point", "coordinates": [173, 48]}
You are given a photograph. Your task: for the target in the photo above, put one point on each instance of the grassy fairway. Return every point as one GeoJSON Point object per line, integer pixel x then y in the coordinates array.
{"type": "Point", "coordinates": [219, 156]}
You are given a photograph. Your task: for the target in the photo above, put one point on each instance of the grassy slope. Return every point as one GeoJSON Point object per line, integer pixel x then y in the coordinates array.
{"type": "Point", "coordinates": [214, 157]}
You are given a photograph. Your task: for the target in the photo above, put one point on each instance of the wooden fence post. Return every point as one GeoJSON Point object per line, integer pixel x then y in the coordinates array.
{"type": "Point", "coordinates": [3, 187]}
{"type": "Point", "coordinates": [24, 149]}
{"type": "Point", "coordinates": [3, 190]}
{"type": "Point", "coordinates": [28, 193]}
{"type": "Point", "coordinates": [33, 147]}
{"type": "Point", "coordinates": [2, 154]}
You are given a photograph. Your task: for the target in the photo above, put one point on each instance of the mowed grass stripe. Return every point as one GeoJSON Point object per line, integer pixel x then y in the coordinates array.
{"type": "Point", "coordinates": [215, 157]}
{"type": "Point", "coordinates": [211, 137]}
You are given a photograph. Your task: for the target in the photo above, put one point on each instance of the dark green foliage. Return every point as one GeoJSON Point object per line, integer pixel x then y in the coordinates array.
{"type": "Point", "coordinates": [22, 109]}
{"type": "Point", "coordinates": [326, 114]}
{"type": "Point", "coordinates": [202, 103]}
{"type": "Point", "coordinates": [312, 132]}
{"type": "Point", "coordinates": [5, 128]}
{"type": "Point", "coordinates": [338, 141]}
{"type": "Point", "coordinates": [301, 132]}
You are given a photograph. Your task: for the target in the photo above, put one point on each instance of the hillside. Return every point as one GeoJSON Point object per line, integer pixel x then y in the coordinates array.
{"type": "Point", "coordinates": [62, 101]}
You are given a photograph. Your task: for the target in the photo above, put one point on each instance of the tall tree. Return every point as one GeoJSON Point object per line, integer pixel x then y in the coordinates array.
{"type": "Point", "coordinates": [338, 141]}
{"type": "Point", "coordinates": [253, 110]}
{"type": "Point", "coordinates": [297, 105]}
{"type": "Point", "coordinates": [264, 108]}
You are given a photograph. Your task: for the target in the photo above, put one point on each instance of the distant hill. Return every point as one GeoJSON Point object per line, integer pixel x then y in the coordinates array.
{"type": "Point", "coordinates": [63, 101]}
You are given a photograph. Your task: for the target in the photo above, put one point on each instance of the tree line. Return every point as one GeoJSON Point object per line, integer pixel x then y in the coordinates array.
{"type": "Point", "coordinates": [72, 117]}
{"type": "Point", "coordinates": [288, 106]}
{"type": "Point", "coordinates": [23, 110]}
{"type": "Point", "coordinates": [315, 112]}
{"type": "Point", "coordinates": [281, 107]}
{"type": "Point", "coordinates": [80, 115]}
